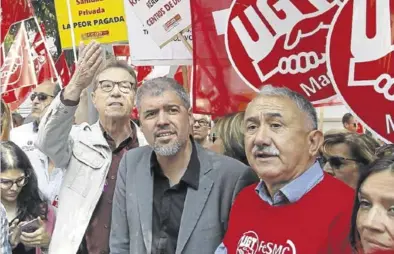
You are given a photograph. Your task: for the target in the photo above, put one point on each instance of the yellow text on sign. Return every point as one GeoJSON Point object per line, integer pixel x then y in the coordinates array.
{"type": "Point", "coordinates": [101, 20]}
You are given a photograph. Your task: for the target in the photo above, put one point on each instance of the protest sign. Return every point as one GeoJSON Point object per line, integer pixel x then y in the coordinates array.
{"type": "Point", "coordinates": [163, 19]}
{"type": "Point", "coordinates": [282, 45]}
{"type": "Point", "coordinates": [360, 49]}
{"type": "Point", "coordinates": [143, 49]}
{"type": "Point", "coordinates": [101, 20]}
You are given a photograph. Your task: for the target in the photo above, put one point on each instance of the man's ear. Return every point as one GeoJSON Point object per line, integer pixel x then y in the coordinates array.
{"type": "Point", "coordinates": [191, 117]}
{"type": "Point", "coordinates": [93, 94]}
{"type": "Point", "coordinates": [315, 141]}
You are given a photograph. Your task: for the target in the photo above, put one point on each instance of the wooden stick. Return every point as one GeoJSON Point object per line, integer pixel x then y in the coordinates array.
{"type": "Point", "coordinates": [186, 43]}
{"type": "Point", "coordinates": [321, 116]}
{"type": "Point", "coordinates": [185, 78]}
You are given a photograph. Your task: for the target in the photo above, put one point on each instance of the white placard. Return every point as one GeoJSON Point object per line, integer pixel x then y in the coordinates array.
{"type": "Point", "coordinates": [144, 50]}
{"type": "Point", "coordinates": [164, 19]}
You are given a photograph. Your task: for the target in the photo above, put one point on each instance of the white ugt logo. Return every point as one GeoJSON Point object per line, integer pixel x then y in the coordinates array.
{"type": "Point", "coordinates": [365, 49]}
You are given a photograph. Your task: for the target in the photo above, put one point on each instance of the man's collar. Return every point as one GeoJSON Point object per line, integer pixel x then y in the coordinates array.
{"type": "Point", "coordinates": [192, 174]}
{"type": "Point", "coordinates": [296, 189]}
{"type": "Point", "coordinates": [128, 142]}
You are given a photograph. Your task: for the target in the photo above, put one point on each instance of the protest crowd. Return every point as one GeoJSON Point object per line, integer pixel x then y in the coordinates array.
{"type": "Point", "coordinates": [175, 180]}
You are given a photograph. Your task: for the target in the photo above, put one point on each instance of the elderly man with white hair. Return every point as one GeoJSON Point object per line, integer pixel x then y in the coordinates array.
{"type": "Point", "coordinates": [296, 207]}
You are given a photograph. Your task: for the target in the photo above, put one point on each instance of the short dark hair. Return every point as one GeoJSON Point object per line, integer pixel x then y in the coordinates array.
{"type": "Point", "coordinates": [158, 86]}
{"type": "Point", "coordinates": [379, 165]}
{"type": "Point", "coordinates": [346, 118]}
{"type": "Point", "coordinates": [120, 64]}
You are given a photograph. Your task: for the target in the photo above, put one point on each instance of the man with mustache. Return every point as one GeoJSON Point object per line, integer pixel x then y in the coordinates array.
{"type": "Point", "coordinates": [172, 196]}
{"type": "Point", "coordinates": [89, 154]}
{"type": "Point", "coordinates": [296, 208]}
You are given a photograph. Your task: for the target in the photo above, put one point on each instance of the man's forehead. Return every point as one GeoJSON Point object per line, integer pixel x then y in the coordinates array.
{"type": "Point", "coordinates": [167, 98]}
{"type": "Point", "coordinates": [199, 116]}
{"type": "Point", "coordinates": [115, 74]}
{"type": "Point", "coordinates": [270, 105]}
{"type": "Point", "coordinates": [46, 86]}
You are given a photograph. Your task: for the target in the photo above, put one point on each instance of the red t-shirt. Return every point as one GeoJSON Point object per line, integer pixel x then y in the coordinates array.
{"type": "Point", "coordinates": [317, 223]}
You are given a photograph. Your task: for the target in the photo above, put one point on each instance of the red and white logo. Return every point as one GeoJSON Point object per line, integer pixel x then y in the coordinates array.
{"type": "Point", "coordinates": [282, 43]}
{"type": "Point", "coordinates": [360, 51]}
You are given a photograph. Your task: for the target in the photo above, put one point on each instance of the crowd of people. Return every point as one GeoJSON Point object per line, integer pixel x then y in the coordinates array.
{"type": "Point", "coordinates": [266, 180]}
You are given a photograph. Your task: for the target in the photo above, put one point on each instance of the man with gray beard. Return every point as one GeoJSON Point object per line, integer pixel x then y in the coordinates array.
{"type": "Point", "coordinates": [172, 196]}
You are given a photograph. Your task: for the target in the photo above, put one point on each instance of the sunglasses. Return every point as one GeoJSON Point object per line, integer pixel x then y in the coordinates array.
{"type": "Point", "coordinates": [335, 162]}
{"type": "Point", "coordinates": [40, 96]}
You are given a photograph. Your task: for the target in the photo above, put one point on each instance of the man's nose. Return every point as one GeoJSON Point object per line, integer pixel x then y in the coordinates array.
{"type": "Point", "coordinates": [116, 91]}
{"type": "Point", "coordinates": [262, 136]}
{"type": "Point", "coordinates": [162, 118]}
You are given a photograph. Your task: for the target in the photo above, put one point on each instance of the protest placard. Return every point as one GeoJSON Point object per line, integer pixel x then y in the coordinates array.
{"type": "Point", "coordinates": [101, 20]}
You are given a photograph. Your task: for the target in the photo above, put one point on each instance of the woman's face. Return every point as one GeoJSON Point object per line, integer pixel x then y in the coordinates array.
{"type": "Point", "coordinates": [11, 184]}
{"type": "Point", "coordinates": [375, 217]}
{"type": "Point", "coordinates": [344, 168]}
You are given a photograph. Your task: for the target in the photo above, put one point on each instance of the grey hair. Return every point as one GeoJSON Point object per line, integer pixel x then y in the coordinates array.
{"type": "Point", "coordinates": [302, 103]}
{"type": "Point", "coordinates": [157, 86]}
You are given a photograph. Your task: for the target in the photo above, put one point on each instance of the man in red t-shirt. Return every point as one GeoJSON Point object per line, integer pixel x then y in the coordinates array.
{"type": "Point", "coordinates": [296, 208]}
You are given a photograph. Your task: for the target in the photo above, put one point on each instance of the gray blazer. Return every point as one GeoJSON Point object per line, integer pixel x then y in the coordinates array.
{"type": "Point", "coordinates": [206, 210]}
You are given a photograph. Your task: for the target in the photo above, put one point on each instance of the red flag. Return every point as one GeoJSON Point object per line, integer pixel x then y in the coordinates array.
{"type": "Point", "coordinates": [217, 89]}
{"type": "Point", "coordinates": [17, 71]}
{"type": "Point", "coordinates": [121, 50]}
{"type": "Point", "coordinates": [142, 72]}
{"type": "Point", "coordinates": [13, 11]}
{"type": "Point", "coordinates": [20, 95]}
{"type": "Point", "coordinates": [42, 58]}
{"type": "Point", "coordinates": [63, 70]}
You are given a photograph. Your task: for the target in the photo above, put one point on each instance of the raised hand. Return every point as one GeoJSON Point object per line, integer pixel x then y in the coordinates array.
{"type": "Point", "coordinates": [88, 63]}
{"type": "Point", "coordinates": [90, 60]}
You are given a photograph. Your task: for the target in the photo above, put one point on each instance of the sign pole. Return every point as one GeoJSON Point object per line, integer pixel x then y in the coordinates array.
{"type": "Point", "coordinates": [70, 20]}
{"type": "Point", "coordinates": [52, 63]}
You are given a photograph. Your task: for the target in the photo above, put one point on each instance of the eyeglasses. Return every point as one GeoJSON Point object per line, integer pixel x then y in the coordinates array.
{"type": "Point", "coordinates": [335, 162]}
{"type": "Point", "coordinates": [108, 85]}
{"type": "Point", "coordinates": [201, 122]}
{"type": "Point", "coordinates": [6, 184]}
{"type": "Point", "coordinates": [40, 96]}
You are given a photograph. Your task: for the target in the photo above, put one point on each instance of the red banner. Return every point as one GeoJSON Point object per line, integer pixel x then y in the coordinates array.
{"type": "Point", "coordinates": [217, 88]}
{"type": "Point", "coordinates": [42, 58]}
{"type": "Point", "coordinates": [17, 71]}
{"type": "Point", "coordinates": [13, 11]}
{"type": "Point", "coordinates": [17, 74]}
{"type": "Point", "coordinates": [63, 70]}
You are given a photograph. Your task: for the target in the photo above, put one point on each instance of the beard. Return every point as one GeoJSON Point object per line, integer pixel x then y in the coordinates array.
{"type": "Point", "coordinates": [170, 149]}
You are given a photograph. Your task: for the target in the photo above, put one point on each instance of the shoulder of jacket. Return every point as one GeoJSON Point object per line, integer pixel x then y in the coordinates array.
{"type": "Point", "coordinates": [225, 166]}
{"type": "Point", "coordinates": [138, 152]}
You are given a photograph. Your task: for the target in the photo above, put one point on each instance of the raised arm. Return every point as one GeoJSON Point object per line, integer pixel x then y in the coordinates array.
{"type": "Point", "coordinates": [54, 137]}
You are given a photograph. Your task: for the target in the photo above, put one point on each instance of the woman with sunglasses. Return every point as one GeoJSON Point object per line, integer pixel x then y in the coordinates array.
{"type": "Point", "coordinates": [344, 154]}
{"type": "Point", "coordinates": [20, 196]}
{"type": "Point", "coordinates": [372, 228]}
